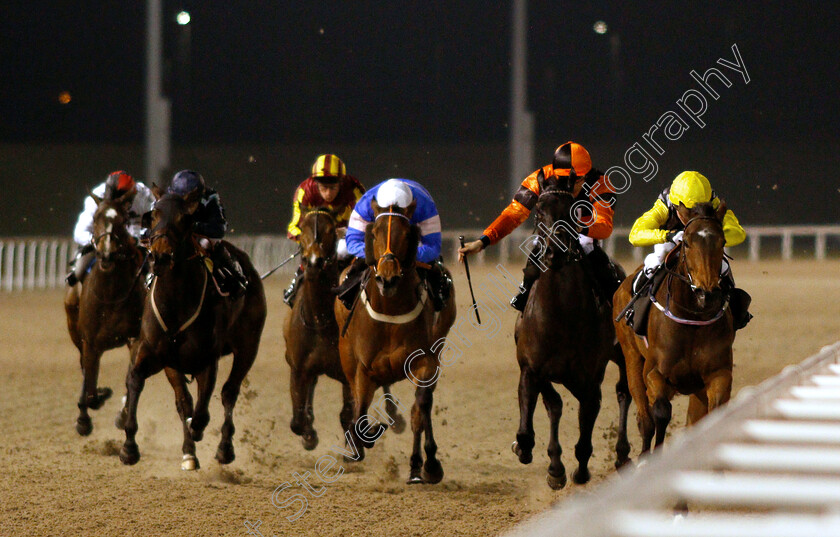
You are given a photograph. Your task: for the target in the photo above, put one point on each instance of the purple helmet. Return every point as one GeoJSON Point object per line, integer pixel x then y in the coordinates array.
{"type": "Point", "coordinates": [185, 182]}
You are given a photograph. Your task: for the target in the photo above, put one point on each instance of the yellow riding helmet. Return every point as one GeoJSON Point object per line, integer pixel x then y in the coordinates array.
{"type": "Point", "coordinates": [328, 168]}
{"type": "Point", "coordinates": [690, 188]}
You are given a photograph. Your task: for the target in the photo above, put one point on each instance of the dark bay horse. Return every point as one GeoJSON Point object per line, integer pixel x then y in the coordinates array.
{"type": "Point", "coordinates": [188, 325]}
{"type": "Point", "coordinates": [565, 335]}
{"type": "Point", "coordinates": [391, 334]}
{"type": "Point", "coordinates": [689, 340]}
{"type": "Point", "coordinates": [104, 312]}
{"type": "Point", "coordinates": [311, 331]}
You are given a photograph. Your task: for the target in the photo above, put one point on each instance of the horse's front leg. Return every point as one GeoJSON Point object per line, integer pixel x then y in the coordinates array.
{"type": "Point", "coordinates": [432, 469]}
{"type": "Point", "coordinates": [145, 364]}
{"type": "Point", "coordinates": [206, 382]}
{"type": "Point", "coordinates": [398, 422]}
{"type": "Point", "coordinates": [529, 390]}
{"type": "Point", "coordinates": [622, 394]}
{"type": "Point", "coordinates": [92, 397]}
{"type": "Point", "coordinates": [556, 477]}
{"type": "Point", "coordinates": [718, 388]}
{"type": "Point", "coordinates": [659, 396]}
{"type": "Point", "coordinates": [184, 405]}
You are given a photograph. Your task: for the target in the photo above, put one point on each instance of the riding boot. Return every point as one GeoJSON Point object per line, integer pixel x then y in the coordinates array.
{"type": "Point", "coordinates": [349, 288]}
{"type": "Point", "coordinates": [529, 275]}
{"type": "Point", "coordinates": [290, 293]}
{"type": "Point", "coordinates": [605, 272]}
{"type": "Point", "coordinates": [81, 264]}
{"type": "Point", "coordinates": [437, 283]}
{"type": "Point", "coordinates": [233, 280]}
{"type": "Point", "coordinates": [739, 302]}
{"type": "Point", "coordinates": [639, 305]}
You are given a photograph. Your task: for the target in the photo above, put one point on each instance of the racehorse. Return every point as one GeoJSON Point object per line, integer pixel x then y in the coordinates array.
{"type": "Point", "coordinates": [565, 335]}
{"type": "Point", "coordinates": [391, 333]}
{"type": "Point", "coordinates": [188, 324]}
{"type": "Point", "coordinates": [689, 333]}
{"type": "Point", "coordinates": [311, 332]}
{"type": "Point", "coordinates": [104, 312]}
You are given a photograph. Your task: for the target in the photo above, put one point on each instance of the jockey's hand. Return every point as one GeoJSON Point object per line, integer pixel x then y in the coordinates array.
{"type": "Point", "coordinates": [470, 248]}
{"type": "Point", "coordinates": [674, 236]}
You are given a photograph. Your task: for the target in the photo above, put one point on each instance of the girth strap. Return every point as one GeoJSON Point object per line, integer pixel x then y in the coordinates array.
{"type": "Point", "coordinates": [189, 321]}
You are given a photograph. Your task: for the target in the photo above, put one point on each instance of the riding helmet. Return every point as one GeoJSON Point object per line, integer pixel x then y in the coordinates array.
{"type": "Point", "coordinates": [185, 182]}
{"type": "Point", "coordinates": [117, 184]}
{"type": "Point", "coordinates": [690, 188]}
{"type": "Point", "coordinates": [328, 169]}
{"type": "Point", "coordinates": [571, 156]}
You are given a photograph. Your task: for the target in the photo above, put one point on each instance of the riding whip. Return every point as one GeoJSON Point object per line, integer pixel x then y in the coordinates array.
{"type": "Point", "coordinates": [469, 281]}
{"type": "Point", "coordinates": [272, 271]}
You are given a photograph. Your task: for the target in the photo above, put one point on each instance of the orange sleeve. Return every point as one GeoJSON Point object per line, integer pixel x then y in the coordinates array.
{"type": "Point", "coordinates": [603, 199]}
{"type": "Point", "coordinates": [517, 211]}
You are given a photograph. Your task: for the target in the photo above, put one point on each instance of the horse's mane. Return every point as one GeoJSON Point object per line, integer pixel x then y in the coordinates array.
{"type": "Point", "coordinates": [703, 210]}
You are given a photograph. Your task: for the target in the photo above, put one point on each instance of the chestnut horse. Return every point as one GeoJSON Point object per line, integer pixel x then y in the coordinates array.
{"type": "Point", "coordinates": [565, 335]}
{"type": "Point", "coordinates": [311, 332]}
{"type": "Point", "coordinates": [104, 312]}
{"type": "Point", "coordinates": [391, 334]}
{"type": "Point", "coordinates": [689, 333]}
{"type": "Point", "coordinates": [188, 325]}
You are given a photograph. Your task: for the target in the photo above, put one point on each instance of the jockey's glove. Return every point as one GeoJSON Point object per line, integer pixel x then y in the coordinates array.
{"type": "Point", "coordinates": [674, 236]}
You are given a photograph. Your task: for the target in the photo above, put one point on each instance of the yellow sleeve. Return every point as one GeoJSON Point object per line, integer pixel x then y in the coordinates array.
{"type": "Point", "coordinates": [732, 229]}
{"type": "Point", "coordinates": [293, 228]}
{"type": "Point", "coordinates": [646, 229]}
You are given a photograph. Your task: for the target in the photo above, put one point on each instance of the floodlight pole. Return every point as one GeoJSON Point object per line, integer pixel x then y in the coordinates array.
{"type": "Point", "coordinates": [521, 120]}
{"type": "Point", "coordinates": [158, 109]}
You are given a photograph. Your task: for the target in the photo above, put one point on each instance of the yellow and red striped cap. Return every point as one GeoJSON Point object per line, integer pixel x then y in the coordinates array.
{"type": "Point", "coordinates": [328, 168]}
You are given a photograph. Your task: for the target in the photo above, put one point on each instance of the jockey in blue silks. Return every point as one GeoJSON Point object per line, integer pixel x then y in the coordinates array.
{"type": "Point", "coordinates": [400, 193]}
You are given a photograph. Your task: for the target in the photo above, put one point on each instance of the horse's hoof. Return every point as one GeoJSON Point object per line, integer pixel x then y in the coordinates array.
{"type": "Point", "coordinates": [399, 424]}
{"type": "Point", "coordinates": [189, 463]}
{"type": "Point", "coordinates": [432, 472]}
{"type": "Point", "coordinates": [102, 395]}
{"type": "Point", "coordinates": [129, 455]}
{"type": "Point", "coordinates": [309, 441]}
{"type": "Point", "coordinates": [581, 476]}
{"type": "Point", "coordinates": [225, 454]}
{"type": "Point", "coordinates": [556, 483]}
{"type": "Point", "coordinates": [84, 425]}
{"type": "Point", "coordinates": [415, 479]}
{"type": "Point", "coordinates": [524, 458]}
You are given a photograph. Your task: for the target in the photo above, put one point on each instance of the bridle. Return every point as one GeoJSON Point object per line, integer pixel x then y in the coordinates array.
{"type": "Point", "coordinates": [317, 212]}
{"type": "Point", "coordinates": [683, 259]}
{"type": "Point", "coordinates": [389, 255]}
{"type": "Point", "coordinates": [573, 251]}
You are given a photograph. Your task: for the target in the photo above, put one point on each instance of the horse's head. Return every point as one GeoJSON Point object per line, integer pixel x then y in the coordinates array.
{"type": "Point", "coordinates": [391, 245]}
{"type": "Point", "coordinates": [318, 238]}
{"type": "Point", "coordinates": [702, 247]}
{"type": "Point", "coordinates": [110, 234]}
{"type": "Point", "coordinates": [554, 217]}
{"type": "Point", "coordinates": [171, 225]}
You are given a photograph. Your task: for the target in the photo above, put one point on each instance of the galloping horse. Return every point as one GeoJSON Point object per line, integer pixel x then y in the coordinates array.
{"type": "Point", "coordinates": [391, 334]}
{"type": "Point", "coordinates": [311, 332]}
{"type": "Point", "coordinates": [188, 325]}
{"type": "Point", "coordinates": [104, 312]}
{"type": "Point", "coordinates": [565, 335]}
{"type": "Point", "coordinates": [689, 333]}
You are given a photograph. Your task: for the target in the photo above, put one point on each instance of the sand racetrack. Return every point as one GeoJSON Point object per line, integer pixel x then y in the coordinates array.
{"type": "Point", "coordinates": [54, 482]}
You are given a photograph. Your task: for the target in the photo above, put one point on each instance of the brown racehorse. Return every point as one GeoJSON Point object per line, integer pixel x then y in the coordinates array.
{"type": "Point", "coordinates": [104, 312]}
{"type": "Point", "coordinates": [391, 334]}
{"type": "Point", "coordinates": [311, 332]}
{"type": "Point", "coordinates": [565, 335]}
{"type": "Point", "coordinates": [188, 325]}
{"type": "Point", "coordinates": [689, 344]}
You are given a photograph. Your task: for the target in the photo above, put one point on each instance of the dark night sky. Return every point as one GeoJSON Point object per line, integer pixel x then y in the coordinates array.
{"type": "Point", "coordinates": [412, 70]}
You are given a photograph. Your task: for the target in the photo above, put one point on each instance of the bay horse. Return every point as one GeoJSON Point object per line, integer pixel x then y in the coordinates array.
{"type": "Point", "coordinates": [311, 332]}
{"type": "Point", "coordinates": [391, 334]}
{"type": "Point", "coordinates": [565, 335]}
{"type": "Point", "coordinates": [689, 333]}
{"type": "Point", "coordinates": [104, 313]}
{"type": "Point", "coordinates": [188, 324]}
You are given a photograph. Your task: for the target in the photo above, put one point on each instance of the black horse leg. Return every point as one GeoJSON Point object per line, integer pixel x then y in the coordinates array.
{"type": "Point", "coordinates": [661, 417]}
{"type": "Point", "coordinates": [622, 393]}
{"type": "Point", "coordinates": [310, 435]}
{"type": "Point", "coordinates": [590, 405]}
{"type": "Point", "coordinates": [243, 358]}
{"type": "Point", "coordinates": [184, 405]}
{"type": "Point", "coordinates": [119, 421]}
{"type": "Point", "coordinates": [398, 422]}
{"type": "Point", "coordinates": [91, 398]}
{"type": "Point", "coordinates": [201, 416]}
{"type": "Point", "coordinates": [432, 469]}
{"type": "Point", "coordinates": [528, 393]}
{"type": "Point", "coordinates": [554, 406]}
{"type": "Point", "coordinates": [144, 366]}
{"type": "Point", "coordinates": [346, 415]}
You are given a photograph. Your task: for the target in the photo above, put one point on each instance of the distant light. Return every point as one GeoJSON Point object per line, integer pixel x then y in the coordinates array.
{"type": "Point", "coordinates": [183, 18]}
{"type": "Point", "coordinates": [600, 27]}
{"type": "Point", "coordinates": [64, 97]}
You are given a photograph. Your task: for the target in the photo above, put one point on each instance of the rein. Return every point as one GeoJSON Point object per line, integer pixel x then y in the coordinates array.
{"type": "Point", "coordinates": [388, 252]}
{"type": "Point", "coordinates": [573, 251]}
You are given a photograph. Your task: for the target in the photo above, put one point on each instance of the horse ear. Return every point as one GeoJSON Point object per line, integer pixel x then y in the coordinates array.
{"type": "Point", "coordinates": [721, 210]}
{"type": "Point", "coordinates": [375, 206]}
{"type": "Point", "coordinates": [683, 212]}
{"type": "Point", "coordinates": [370, 259]}
{"type": "Point", "coordinates": [541, 180]}
{"type": "Point", "coordinates": [94, 197]}
{"type": "Point", "coordinates": [157, 191]}
{"type": "Point", "coordinates": [191, 200]}
{"type": "Point", "coordinates": [128, 198]}
{"type": "Point", "coordinates": [409, 211]}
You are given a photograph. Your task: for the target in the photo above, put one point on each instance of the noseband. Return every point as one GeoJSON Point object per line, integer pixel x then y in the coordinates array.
{"type": "Point", "coordinates": [389, 255]}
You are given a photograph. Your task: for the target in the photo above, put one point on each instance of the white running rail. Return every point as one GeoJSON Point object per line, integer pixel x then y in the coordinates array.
{"type": "Point", "coordinates": [41, 262]}
{"type": "Point", "coordinates": [765, 465]}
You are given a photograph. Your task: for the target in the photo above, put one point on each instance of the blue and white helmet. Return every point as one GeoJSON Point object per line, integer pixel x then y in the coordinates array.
{"type": "Point", "coordinates": [185, 182]}
{"type": "Point", "coordinates": [394, 192]}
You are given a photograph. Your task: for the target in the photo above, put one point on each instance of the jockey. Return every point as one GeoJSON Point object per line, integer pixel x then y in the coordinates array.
{"type": "Point", "coordinates": [591, 187]}
{"type": "Point", "coordinates": [210, 224]}
{"type": "Point", "coordinates": [400, 193]}
{"type": "Point", "coordinates": [662, 227]}
{"type": "Point", "coordinates": [115, 185]}
{"type": "Point", "coordinates": [328, 187]}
